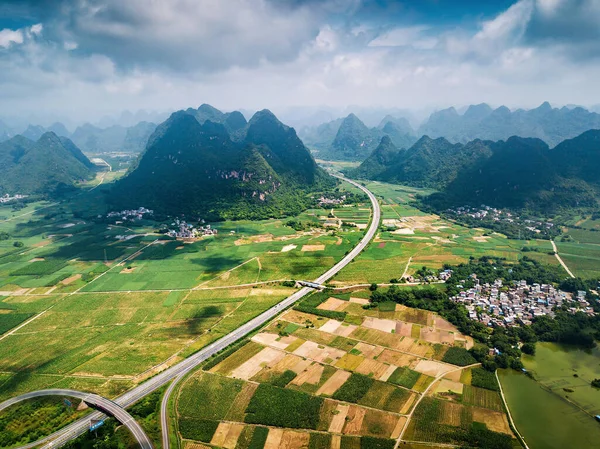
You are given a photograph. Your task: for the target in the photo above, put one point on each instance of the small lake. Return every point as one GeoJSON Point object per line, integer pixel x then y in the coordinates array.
{"type": "Point", "coordinates": [540, 408]}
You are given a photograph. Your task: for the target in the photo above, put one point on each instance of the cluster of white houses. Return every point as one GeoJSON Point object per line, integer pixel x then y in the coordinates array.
{"type": "Point", "coordinates": [484, 212]}
{"type": "Point", "coordinates": [130, 214]}
{"type": "Point", "coordinates": [182, 230]}
{"type": "Point", "coordinates": [517, 303]}
{"type": "Point", "coordinates": [7, 198]}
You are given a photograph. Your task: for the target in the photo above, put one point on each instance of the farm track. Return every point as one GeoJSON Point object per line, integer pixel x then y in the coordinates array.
{"type": "Point", "coordinates": [179, 370]}
{"type": "Point", "coordinates": [399, 440]}
{"type": "Point", "coordinates": [564, 265]}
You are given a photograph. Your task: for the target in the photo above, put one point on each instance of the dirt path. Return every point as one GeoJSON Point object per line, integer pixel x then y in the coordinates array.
{"type": "Point", "coordinates": [407, 265]}
{"type": "Point", "coordinates": [564, 265]}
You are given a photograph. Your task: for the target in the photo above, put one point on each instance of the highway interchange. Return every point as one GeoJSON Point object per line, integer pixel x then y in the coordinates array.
{"type": "Point", "coordinates": [178, 371]}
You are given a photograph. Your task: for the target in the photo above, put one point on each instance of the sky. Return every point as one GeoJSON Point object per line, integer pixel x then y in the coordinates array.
{"type": "Point", "coordinates": [83, 59]}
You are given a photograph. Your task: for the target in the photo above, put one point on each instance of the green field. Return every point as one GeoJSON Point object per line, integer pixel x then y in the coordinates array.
{"type": "Point", "coordinates": [545, 420]}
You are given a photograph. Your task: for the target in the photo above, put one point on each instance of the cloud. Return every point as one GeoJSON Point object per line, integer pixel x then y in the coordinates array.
{"type": "Point", "coordinates": [9, 37]}
{"type": "Point", "coordinates": [186, 35]}
{"type": "Point", "coordinates": [91, 57]}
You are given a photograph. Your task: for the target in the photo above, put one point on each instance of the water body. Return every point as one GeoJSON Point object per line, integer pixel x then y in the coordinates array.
{"type": "Point", "coordinates": [540, 409]}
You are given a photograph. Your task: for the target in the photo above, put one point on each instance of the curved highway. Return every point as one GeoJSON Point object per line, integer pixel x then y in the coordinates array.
{"type": "Point", "coordinates": [99, 402]}
{"type": "Point", "coordinates": [179, 370]}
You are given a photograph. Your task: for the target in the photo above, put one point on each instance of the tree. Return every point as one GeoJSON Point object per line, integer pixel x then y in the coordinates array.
{"type": "Point", "coordinates": [528, 348]}
{"type": "Point", "coordinates": [373, 287]}
{"type": "Point", "coordinates": [18, 244]}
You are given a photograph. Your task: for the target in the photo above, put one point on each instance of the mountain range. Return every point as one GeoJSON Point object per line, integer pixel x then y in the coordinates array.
{"type": "Point", "coordinates": [205, 163]}
{"type": "Point", "coordinates": [516, 173]}
{"type": "Point", "coordinates": [552, 125]}
{"type": "Point", "coordinates": [91, 138]}
{"type": "Point", "coordinates": [45, 166]}
{"type": "Point", "coordinates": [350, 139]}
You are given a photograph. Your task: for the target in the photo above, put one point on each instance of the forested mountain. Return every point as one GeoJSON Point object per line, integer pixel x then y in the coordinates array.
{"type": "Point", "coordinates": [43, 167]}
{"type": "Point", "coordinates": [198, 169]}
{"type": "Point", "coordinates": [516, 173]}
{"type": "Point", "coordinates": [428, 163]}
{"type": "Point", "coordinates": [526, 173]}
{"type": "Point", "coordinates": [552, 125]}
{"type": "Point", "coordinates": [354, 141]}
{"type": "Point", "coordinates": [33, 132]}
{"type": "Point", "coordinates": [136, 137]}
{"type": "Point", "coordinates": [233, 121]}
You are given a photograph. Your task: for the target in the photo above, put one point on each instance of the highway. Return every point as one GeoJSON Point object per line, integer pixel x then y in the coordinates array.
{"type": "Point", "coordinates": [179, 370]}
{"type": "Point", "coordinates": [96, 401]}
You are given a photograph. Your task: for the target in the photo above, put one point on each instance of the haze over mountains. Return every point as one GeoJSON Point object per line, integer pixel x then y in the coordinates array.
{"type": "Point", "coordinates": [215, 165]}
{"type": "Point", "coordinates": [351, 139]}
{"type": "Point", "coordinates": [41, 167]}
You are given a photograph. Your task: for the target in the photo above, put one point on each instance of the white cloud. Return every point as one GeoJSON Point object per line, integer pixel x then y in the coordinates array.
{"type": "Point", "coordinates": [101, 56]}
{"type": "Point", "coordinates": [9, 37]}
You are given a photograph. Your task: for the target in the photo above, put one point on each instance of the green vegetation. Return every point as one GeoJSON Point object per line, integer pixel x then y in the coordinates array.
{"type": "Point", "coordinates": [405, 377]}
{"type": "Point", "coordinates": [458, 356]}
{"type": "Point", "coordinates": [279, 171]}
{"type": "Point", "coordinates": [319, 441]}
{"type": "Point", "coordinates": [215, 393]}
{"type": "Point", "coordinates": [484, 379]}
{"type": "Point", "coordinates": [283, 408]}
{"type": "Point", "coordinates": [376, 443]}
{"type": "Point", "coordinates": [197, 429]}
{"type": "Point", "coordinates": [259, 436]}
{"type": "Point", "coordinates": [31, 420]}
{"type": "Point", "coordinates": [309, 305]}
{"type": "Point", "coordinates": [10, 320]}
{"type": "Point", "coordinates": [354, 389]}
{"type": "Point", "coordinates": [283, 379]}
{"type": "Point", "coordinates": [29, 167]}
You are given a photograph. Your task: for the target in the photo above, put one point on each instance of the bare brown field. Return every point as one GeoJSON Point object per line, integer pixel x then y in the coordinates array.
{"type": "Point", "coordinates": [266, 357]}
{"type": "Point", "coordinates": [372, 368]}
{"type": "Point", "coordinates": [274, 438]}
{"type": "Point", "coordinates": [227, 434]}
{"type": "Point", "coordinates": [311, 375]}
{"type": "Point", "coordinates": [445, 385]}
{"type": "Point", "coordinates": [450, 413]}
{"type": "Point", "coordinates": [432, 368]}
{"type": "Point", "coordinates": [293, 439]}
{"type": "Point", "coordinates": [310, 248]}
{"type": "Point", "coordinates": [274, 340]}
{"type": "Point", "coordinates": [388, 326]}
{"type": "Point", "coordinates": [240, 403]}
{"type": "Point", "coordinates": [331, 304]}
{"type": "Point", "coordinates": [496, 421]}
{"type": "Point", "coordinates": [339, 419]}
{"type": "Point", "coordinates": [320, 353]}
{"type": "Point", "coordinates": [333, 383]}
{"type": "Point", "coordinates": [354, 420]}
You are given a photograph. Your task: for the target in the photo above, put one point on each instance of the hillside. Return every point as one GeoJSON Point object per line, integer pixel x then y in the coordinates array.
{"type": "Point", "coordinates": [552, 125]}
{"type": "Point", "coordinates": [526, 173]}
{"type": "Point", "coordinates": [428, 163]}
{"type": "Point", "coordinates": [351, 140]}
{"type": "Point", "coordinates": [198, 169]}
{"type": "Point", "coordinates": [44, 167]}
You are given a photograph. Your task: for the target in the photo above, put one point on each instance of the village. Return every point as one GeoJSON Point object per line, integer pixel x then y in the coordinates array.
{"type": "Point", "coordinates": [129, 214]}
{"type": "Point", "coordinates": [518, 303]}
{"type": "Point", "coordinates": [486, 213]}
{"type": "Point", "coordinates": [182, 230]}
{"type": "Point", "coordinates": [7, 198]}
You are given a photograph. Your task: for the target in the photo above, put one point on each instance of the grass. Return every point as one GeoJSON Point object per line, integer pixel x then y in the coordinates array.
{"type": "Point", "coordinates": [482, 378]}
{"type": "Point", "coordinates": [197, 429]}
{"type": "Point", "coordinates": [215, 393]}
{"type": "Point", "coordinates": [405, 377]}
{"type": "Point", "coordinates": [354, 389]}
{"type": "Point", "coordinates": [480, 397]}
{"type": "Point", "coordinates": [238, 357]}
{"type": "Point", "coordinates": [283, 408]}
{"type": "Point", "coordinates": [458, 356]}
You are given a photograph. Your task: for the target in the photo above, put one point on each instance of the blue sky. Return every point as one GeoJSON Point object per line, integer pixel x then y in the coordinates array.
{"type": "Point", "coordinates": [87, 58]}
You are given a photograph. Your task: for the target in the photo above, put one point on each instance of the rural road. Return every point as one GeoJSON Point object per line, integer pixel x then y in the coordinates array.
{"type": "Point", "coordinates": [564, 265]}
{"type": "Point", "coordinates": [179, 370]}
{"type": "Point", "coordinates": [97, 401]}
